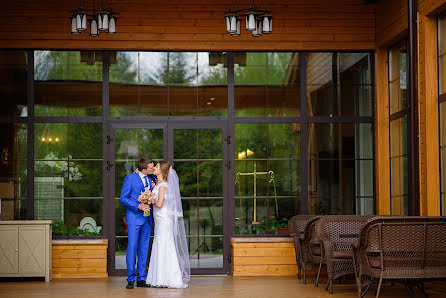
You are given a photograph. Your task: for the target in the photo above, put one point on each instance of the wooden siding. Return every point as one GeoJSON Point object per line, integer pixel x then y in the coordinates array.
{"type": "Point", "coordinates": [192, 25]}
{"type": "Point", "coordinates": [263, 257]}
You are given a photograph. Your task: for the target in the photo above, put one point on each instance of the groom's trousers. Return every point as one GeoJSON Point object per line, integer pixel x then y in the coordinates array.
{"type": "Point", "coordinates": [138, 242]}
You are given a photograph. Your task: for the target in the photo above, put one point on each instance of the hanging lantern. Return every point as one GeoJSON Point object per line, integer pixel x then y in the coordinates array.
{"type": "Point", "coordinates": [258, 31]}
{"type": "Point", "coordinates": [232, 24]}
{"type": "Point", "coordinates": [251, 21]}
{"type": "Point", "coordinates": [81, 21]}
{"type": "Point", "coordinates": [237, 32]}
{"type": "Point", "coordinates": [94, 27]}
{"type": "Point", "coordinates": [74, 25]}
{"type": "Point", "coordinates": [112, 25]}
{"type": "Point", "coordinates": [267, 24]}
{"type": "Point", "coordinates": [103, 21]}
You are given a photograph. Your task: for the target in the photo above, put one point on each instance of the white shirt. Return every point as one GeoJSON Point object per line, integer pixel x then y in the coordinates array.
{"type": "Point", "coordinates": [141, 175]}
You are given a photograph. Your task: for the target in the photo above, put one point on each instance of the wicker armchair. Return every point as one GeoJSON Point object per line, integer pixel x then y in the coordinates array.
{"type": "Point", "coordinates": [409, 249]}
{"type": "Point", "coordinates": [337, 232]}
{"type": "Point", "coordinates": [296, 226]}
{"type": "Point", "coordinates": [311, 248]}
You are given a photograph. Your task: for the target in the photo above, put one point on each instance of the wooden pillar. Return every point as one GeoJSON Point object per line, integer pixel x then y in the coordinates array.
{"type": "Point", "coordinates": [430, 205]}
{"type": "Point", "coordinates": [382, 157]}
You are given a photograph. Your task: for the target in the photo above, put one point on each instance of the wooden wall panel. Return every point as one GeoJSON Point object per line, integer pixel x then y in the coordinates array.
{"type": "Point", "coordinates": [192, 25]}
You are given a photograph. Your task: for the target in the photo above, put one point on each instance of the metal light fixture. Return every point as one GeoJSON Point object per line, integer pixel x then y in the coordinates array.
{"type": "Point", "coordinates": [255, 21]}
{"type": "Point", "coordinates": [258, 31]}
{"type": "Point", "coordinates": [74, 25]}
{"type": "Point", "coordinates": [237, 31]}
{"type": "Point", "coordinates": [100, 19]}
{"type": "Point", "coordinates": [103, 21]}
{"type": "Point", "coordinates": [267, 24]}
{"type": "Point", "coordinates": [94, 27]}
{"type": "Point", "coordinates": [112, 25]}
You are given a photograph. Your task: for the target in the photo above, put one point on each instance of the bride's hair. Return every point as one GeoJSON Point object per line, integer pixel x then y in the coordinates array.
{"type": "Point", "coordinates": [164, 167]}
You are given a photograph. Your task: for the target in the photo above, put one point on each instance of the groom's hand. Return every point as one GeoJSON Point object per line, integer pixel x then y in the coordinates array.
{"type": "Point", "coordinates": [144, 207]}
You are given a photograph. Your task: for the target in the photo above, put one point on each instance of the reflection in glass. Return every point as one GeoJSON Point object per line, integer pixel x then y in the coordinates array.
{"type": "Point", "coordinates": [14, 83]}
{"type": "Point", "coordinates": [340, 168]}
{"type": "Point", "coordinates": [68, 83]}
{"type": "Point", "coordinates": [168, 83]}
{"type": "Point", "coordinates": [68, 176]}
{"type": "Point", "coordinates": [399, 168]}
{"type": "Point", "coordinates": [13, 171]}
{"type": "Point", "coordinates": [267, 176]}
{"type": "Point", "coordinates": [267, 84]}
{"type": "Point", "coordinates": [398, 77]}
{"type": "Point", "coordinates": [442, 125]}
{"type": "Point", "coordinates": [339, 84]}
{"type": "Point", "coordinates": [199, 165]}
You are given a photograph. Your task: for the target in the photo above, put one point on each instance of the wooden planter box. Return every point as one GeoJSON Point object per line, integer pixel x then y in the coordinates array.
{"type": "Point", "coordinates": [272, 256]}
{"type": "Point", "coordinates": [83, 258]}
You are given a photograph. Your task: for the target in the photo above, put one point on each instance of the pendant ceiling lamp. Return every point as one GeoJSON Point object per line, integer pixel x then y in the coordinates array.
{"type": "Point", "coordinates": [100, 19]}
{"type": "Point", "coordinates": [257, 21]}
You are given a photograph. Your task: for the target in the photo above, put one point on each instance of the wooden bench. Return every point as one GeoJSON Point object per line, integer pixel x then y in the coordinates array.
{"type": "Point", "coordinates": [408, 249]}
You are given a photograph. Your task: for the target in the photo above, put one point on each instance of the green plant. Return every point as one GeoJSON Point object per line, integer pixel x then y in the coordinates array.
{"type": "Point", "coordinates": [60, 229]}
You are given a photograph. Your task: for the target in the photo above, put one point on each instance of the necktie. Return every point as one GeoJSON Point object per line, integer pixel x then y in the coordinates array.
{"type": "Point", "coordinates": [147, 182]}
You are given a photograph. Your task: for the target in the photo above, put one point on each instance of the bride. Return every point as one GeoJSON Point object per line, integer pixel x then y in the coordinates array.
{"type": "Point", "coordinates": [169, 262]}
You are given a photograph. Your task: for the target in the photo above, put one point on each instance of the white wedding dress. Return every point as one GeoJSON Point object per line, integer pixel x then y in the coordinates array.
{"type": "Point", "coordinates": [167, 266]}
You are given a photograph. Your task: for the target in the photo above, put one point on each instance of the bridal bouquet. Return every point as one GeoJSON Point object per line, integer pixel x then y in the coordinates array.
{"type": "Point", "coordinates": [146, 197]}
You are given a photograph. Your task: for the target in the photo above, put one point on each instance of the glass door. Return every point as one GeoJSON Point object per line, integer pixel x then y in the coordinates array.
{"type": "Point", "coordinates": [128, 143]}
{"type": "Point", "coordinates": [197, 152]}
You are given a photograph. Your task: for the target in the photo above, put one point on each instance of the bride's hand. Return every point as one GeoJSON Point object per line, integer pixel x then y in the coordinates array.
{"type": "Point", "coordinates": [136, 171]}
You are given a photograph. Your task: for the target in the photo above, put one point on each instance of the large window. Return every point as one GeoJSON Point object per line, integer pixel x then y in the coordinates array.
{"type": "Point", "coordinates": [300, 125]}
{"type": "Point", "coordinates": [399, 168]}
{"type": "Point", "coordinates": [442, 107]}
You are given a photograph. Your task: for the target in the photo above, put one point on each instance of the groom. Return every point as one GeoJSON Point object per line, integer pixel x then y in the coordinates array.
{"type": "Point", "coordinates": [139, 227]}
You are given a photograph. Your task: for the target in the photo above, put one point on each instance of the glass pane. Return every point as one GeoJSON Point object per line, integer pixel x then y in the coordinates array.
{"type": "Point", "coordinates": [284, 140]}
{"type": "Point", "coordinates": [183, 72]}
{"type": "Point", "coordinates": [68, 83]}
{"type": "Point", "coordinates": [206, 252]}
{"type": "Point", "coordinates": [321, 85]}
{"type": "Point", "coordinates": [209, 143]}
{"type": "Point", "coordinates": [13, 83]}
{"type": "Point", "coordinates": [124, 81]}
{"type": "Point", "coordinates": [250, 140]}
{"type": "Point", "coordinates": [442, 53]}
{"type": "Point", "coordinates": [284, 178]}
{"type": "Point", "coordinates": [339, 84]}
{"type": "Point", "coordinates": [13, 171]}
{"type": "Point", "coordinates": [399, 166]}
{"type": "Point", "coordinates": [51, 141]}
{"type": "Point", "coordinates": [85, 178]}
{"type": "Point", "coordinates": [187, 174]}
{"type": "Point", "coordinates": [153, 83]}
{"type": "Point", "coordinates": [442, 124]}
{"type": "Point", "coordinates": [398, 77]}
{"type": "Point", "coordinates": [266, 84]}
{"type": "Point", "coordinates": [132, 144]}
{"type": "Point", "coordinates": [120, 219]}
{"type": "Point", "coordinates": [185, 143]}
{"type": "Point", "coordinates": [120, 252]}
{"type": "Point", "coordinates": [340, 166]}
{"type": "Point", "coordinates": [356, 84]}
{"type": "Point", "coordinates": [212, 84]}
{"type": "Point", "coordinates": [211, 179]}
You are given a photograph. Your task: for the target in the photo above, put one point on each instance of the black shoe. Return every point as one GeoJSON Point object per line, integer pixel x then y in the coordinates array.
{"type": "Point", "coordinates": [142, 284]}
{"type": "Point", "coordinates": [130, 285]}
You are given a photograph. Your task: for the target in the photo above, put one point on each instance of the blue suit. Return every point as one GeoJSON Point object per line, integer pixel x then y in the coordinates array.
{"type": "Point", "coordinates": [139, 227]}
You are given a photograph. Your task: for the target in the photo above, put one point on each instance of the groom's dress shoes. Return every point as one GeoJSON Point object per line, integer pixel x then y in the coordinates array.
{"type": "Point", "coordinates": [142, 284]}
{"type": "Point", "coordinates": [130, 285]}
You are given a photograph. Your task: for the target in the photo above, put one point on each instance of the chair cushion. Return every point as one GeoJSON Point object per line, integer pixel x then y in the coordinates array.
{"type": "Point", "coordinates": [375, 262]}
{"type": "Point", "coordinates": [316, 250]}
{"type": "Point", "coordinates": [342, 254]}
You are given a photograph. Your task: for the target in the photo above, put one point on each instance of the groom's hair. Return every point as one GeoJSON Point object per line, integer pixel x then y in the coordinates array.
{"type": "Point", "coordinates": [143, 163]}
